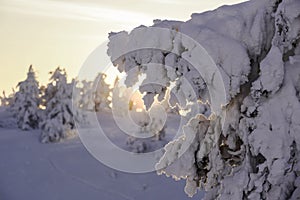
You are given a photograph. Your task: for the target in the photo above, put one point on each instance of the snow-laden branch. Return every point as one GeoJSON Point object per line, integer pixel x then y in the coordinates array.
{"type": "Point", "coordinates": [253, 153]}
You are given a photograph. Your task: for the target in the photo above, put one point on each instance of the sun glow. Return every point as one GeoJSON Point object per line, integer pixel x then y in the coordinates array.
{"type": "Point", "coordinates": [136, 102]}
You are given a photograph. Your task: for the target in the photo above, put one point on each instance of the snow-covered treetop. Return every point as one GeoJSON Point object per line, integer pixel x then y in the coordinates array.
{"type": "Point", "coordinates": [59, 76]}
{"type": "Point", "coordinates": [30, 85]}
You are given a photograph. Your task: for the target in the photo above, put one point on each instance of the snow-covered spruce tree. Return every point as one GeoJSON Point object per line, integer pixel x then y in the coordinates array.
{"type": "Point", "coordinates": [255, 45]}
{"type": "Point", "coordinates": [59, 116]}
{"type": "Point", "coordinates": [25, 105]}
{"type": "Point", "coordinates": [102, 93]}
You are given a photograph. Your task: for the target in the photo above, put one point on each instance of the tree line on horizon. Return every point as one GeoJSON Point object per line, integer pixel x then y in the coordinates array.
{"type": "Point", "coordinates": [56, 107]}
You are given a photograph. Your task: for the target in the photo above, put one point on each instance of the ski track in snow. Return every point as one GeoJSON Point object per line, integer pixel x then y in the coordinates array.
{"type": "Point", "coordinates": [86, 182]}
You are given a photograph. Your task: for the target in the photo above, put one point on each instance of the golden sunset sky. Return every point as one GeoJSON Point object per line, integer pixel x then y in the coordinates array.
{"type": "Point", "coordinates": [51, 33]}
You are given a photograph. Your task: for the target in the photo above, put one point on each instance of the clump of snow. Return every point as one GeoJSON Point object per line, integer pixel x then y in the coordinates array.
{"type": "Point", "coordinates": [271, 74]}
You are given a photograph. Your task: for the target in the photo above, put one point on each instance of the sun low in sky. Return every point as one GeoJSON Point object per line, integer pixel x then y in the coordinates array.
{"type": "Point", "coordinates": [52, 33]}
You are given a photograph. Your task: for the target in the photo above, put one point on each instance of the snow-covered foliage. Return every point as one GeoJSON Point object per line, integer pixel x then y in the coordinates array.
{"type": "Point", "coordinates": [86, 96]}
{"type": "Point", "coordinates": [151, 123]}
{"type": "Point", "coordinates": [255, 45]}
{"type": "Point", "coordinates": [102, 93]}
{"type": "Point", "coordinates": [169, 103]}
{"type": "Point", "coordinates": [25, 104]}
{"type": "Point", "coordinates": [147, 128]}
{"type": "Point", "coordinates": [7, 100]}
{"type": "Point", "coordinates": [60, 115]}
{"type": "Point", "coordinates": [94, 95]}
{"type": "Point", "coordinates": [120, 100]}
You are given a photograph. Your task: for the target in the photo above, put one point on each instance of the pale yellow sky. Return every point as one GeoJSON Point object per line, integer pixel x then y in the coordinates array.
{"type": "Point", "coordinates": [51, 33]}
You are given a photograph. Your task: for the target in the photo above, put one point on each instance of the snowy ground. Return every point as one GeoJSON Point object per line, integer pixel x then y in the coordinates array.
{"type": "Point", "coordinates": [31, 170]}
